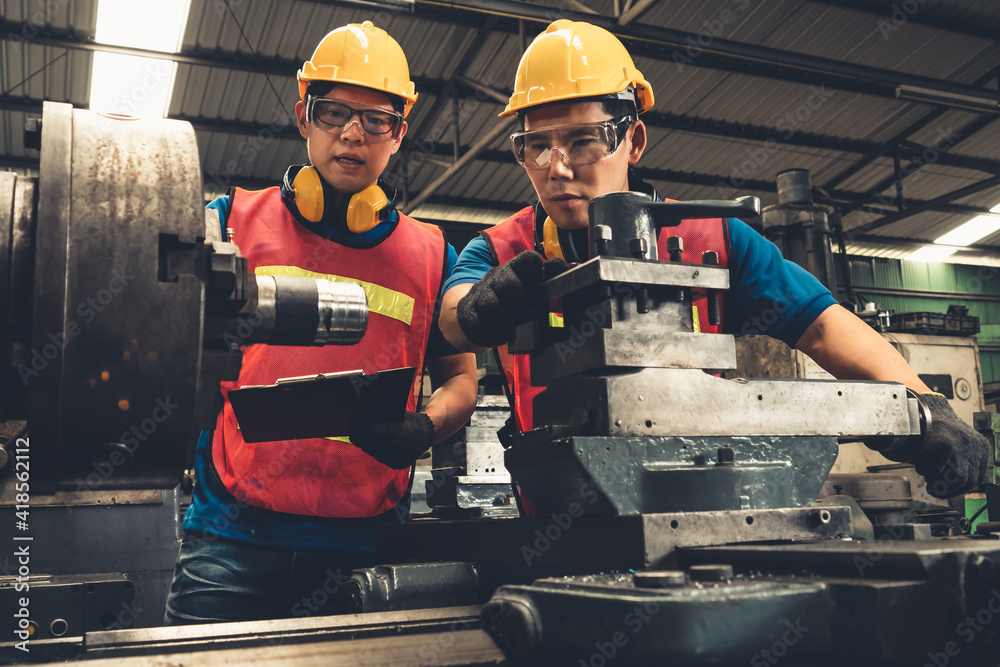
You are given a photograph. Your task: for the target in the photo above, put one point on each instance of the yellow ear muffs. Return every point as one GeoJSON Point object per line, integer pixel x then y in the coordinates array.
{"type": "Point", "coordinates": [550, 240]}
{"type": "Point", "coordinates": [364, 208]}
{"type": "Point", "coordinates": [307, 191]}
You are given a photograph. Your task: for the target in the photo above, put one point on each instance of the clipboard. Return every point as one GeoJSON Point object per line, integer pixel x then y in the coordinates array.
{"type": "Point", "coordinates": [319, 406]}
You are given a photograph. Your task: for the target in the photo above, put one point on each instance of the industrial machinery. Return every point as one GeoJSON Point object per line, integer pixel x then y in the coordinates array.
{"type": "Point", "coordinates": [676, 512]}
{"type": "Point", "coordinates": [468, 478]}
{"type": "Point", "coordinates": [124, 308]}
{"type": "Point", "coordinates": [655, 463]}
{"type": "Point", "coordinates": [940, 348]}
{"type": "Point", "coordinates": [120, 293]}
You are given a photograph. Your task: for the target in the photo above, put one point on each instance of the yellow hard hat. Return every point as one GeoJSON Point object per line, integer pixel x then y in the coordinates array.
{"type": "Point", "coordinates": [573, 59]}
{"type": "Point", "coordinates": [360, 54]}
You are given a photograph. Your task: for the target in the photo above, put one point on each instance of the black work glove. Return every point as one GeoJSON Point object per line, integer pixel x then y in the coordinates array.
{"type": "Point", "coordinates": [507, 295]}
{"type": "Point", "coordinates": [396, 444]}
{"type": "Point", "coordinates": [952, 457]}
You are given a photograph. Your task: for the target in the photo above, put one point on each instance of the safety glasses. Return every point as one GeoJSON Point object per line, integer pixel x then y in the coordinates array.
{"type": "Point", "coordinates": [578, 144]}
{"type": "Point", "coordinates": [329, 114]}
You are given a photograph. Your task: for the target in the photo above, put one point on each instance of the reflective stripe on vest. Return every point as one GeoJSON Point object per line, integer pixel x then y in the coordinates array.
{"type": "Point", "coordinates": [319, 476]}
{"type": "Point", "coordinates": [517, 234]}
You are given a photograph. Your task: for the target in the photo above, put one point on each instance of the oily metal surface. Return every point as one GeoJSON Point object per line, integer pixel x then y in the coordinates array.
{"type": "Point", "coordinates": [192, 638]}
{"type": "Point", "coordinates": [601, 349]}
{"type": "Point", "coordinates": [568, 539]}
{"type": "Point", "coordinates": [19, 308]}
{"type": "Point", "coordinates": [48, 316]}
{"type": "Point", "coordinates": [622, 476]}
{"type": "Point", "coordinates": [665, 533]}
{"type": "Point", "coordinates": [891, 555]}
{"type": "Point", "coordinates": [8, 185]}
{"type": "Point", "coordinates": [442, 648]}
{"type": "Point", "coordinates": [670, 401]}
{"type": "Point", "coordinates": [107, 319]}
{"type": "Point", "coordinates": [573, 620]}
{"type": "Point", "coordinates": [645, 272]}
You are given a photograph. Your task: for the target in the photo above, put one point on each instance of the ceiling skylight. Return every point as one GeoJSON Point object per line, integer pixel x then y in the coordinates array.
{"type": "Point", "coordinates": [979, 227]}
{"type": "Point", "coordinates": [931, 254]}
{"type": "Point", "coordinates": [132, 85]}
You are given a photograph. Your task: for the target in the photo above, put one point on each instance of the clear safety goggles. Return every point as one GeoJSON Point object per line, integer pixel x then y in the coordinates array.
{"type": "Point", "coordinates": [580, 143]}
{"type": "Point", "coordinates": [328, 114]}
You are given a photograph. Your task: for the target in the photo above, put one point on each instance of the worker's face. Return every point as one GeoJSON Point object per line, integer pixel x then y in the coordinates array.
{"type": "Point", "coordinates": [350, 158]}
{"type": "Point", "coordinates": [565, 190]}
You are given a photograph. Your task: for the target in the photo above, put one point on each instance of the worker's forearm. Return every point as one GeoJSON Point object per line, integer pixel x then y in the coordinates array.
{"type": "Point", "coordinates": [454, 401]}
{"type": "Point", "coordinates": [448, 321]}
{"type": "Point", "coordinates": [849, 349]}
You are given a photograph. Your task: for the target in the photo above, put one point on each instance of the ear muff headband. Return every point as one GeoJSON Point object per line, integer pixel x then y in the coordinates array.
{"type": "Point", "coordinates": [304, 193]}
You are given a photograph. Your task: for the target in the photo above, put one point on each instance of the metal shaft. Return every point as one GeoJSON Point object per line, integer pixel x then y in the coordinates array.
{"type": "Point", "coordinates": [308, 311]}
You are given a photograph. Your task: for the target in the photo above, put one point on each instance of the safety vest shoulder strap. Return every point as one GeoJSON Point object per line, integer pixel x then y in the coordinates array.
{"type": "Point", "coordinates": [512, 236]}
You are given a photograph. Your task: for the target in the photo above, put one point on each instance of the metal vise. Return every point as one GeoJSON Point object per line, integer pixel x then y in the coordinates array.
{"type": "Point", "coordinates": [631, 407]}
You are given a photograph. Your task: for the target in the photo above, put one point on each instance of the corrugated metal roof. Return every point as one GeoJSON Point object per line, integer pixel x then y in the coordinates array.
{"type": "Point", "coordinates": [476, 216]}
{"type": "Point", "coordinates": [888, 251]}
{"type": "Point", "coordinates": [277, 35]}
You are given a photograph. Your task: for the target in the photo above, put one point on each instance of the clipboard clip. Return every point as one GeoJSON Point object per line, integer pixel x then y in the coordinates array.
{"type": "Point", "coordinates": [318, 376]}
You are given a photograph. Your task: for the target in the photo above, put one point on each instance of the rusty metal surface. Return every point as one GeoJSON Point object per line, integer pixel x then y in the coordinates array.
{"type": "Point", "coordinates": [447, 636]}
{"type": "Point", "coordinates": [83, 498]}
{"type": "Point", "coordinates": [19, 313]}
{"type": "Point", "coordinates": [671, 402]}
{"type": "Point", "coordinates": [629, 476]}
{"type": "Point", "coordinates": [602, 543]}
{"type": "Point", "coordinates": [135, 182]}
{"type": "Point", "coordinates": [45, 390]}
{"type": "Point", "coordinates": [459, 648]}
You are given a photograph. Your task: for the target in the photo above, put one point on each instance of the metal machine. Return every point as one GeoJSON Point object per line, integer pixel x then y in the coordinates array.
{"type": "Point", "coordinates": [638, 434]}
{"type": "Point", "coordinates": [468, 477]}
{"type": "Point", "coordinates": [676, 513]}
{"type": "Point", "coordinates": [123, 310]}
{"type": "Point", "coordinates": [940, 348]}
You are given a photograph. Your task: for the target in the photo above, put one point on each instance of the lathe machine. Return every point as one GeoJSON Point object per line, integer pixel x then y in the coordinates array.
{"type": "Point", "coordinates": [679, 518]}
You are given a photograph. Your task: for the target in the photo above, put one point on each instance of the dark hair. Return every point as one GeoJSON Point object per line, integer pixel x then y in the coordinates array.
{"type": "Point", "coordinates": [321, 88]}
{"type": "Point", "coordinates": [614, 108]}
{"type": "Point", "coordinates": [619, 108]}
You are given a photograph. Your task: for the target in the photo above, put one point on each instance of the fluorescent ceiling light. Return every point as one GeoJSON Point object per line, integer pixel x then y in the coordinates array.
{"type": "Point", "coordinates": [930, 254]}
{"type": "Point", "coordinates": [157, 26]}
{"type": "Point", "coordinates": [970, 232]}
{"type": "Point", "coordinates": [132, 85]}
{"type": "Point", "coordinates": [948, 98]}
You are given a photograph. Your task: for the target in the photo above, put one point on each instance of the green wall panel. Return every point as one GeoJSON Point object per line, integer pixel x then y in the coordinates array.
{"type": "Point", "coordinates": [937, 277]}
{"type": "Point", "coordinates": [990, 363]}
{"type": "Point", "coordinates": [894, 274]}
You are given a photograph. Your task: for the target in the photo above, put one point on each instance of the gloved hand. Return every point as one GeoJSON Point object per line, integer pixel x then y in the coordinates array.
{"type": "Point", "coordinates": [952, 457]}
{"type": "Point", "coordinates": [507, 295]}
{"type": "Point", "coordinates": [395, 444]}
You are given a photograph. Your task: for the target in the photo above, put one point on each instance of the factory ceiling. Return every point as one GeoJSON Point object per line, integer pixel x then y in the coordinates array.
{"type": "Point", "coordinates": [890, 104]}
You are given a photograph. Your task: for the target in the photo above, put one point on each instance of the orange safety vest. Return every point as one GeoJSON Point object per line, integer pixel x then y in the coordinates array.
{"type": "Point", "coordinates": [517, 234]}
{"type": "Point", "coordinates": [402, 276]}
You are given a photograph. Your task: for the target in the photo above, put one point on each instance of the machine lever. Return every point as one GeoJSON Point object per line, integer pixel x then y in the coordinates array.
{"type": "Point", "coordinates": [633, 215]}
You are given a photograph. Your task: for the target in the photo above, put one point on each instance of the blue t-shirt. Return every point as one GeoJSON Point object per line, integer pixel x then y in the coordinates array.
{"type": "Point", "coordinates": [214, 510]}
{"type": "Point", "coordinates": [767, 293]}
